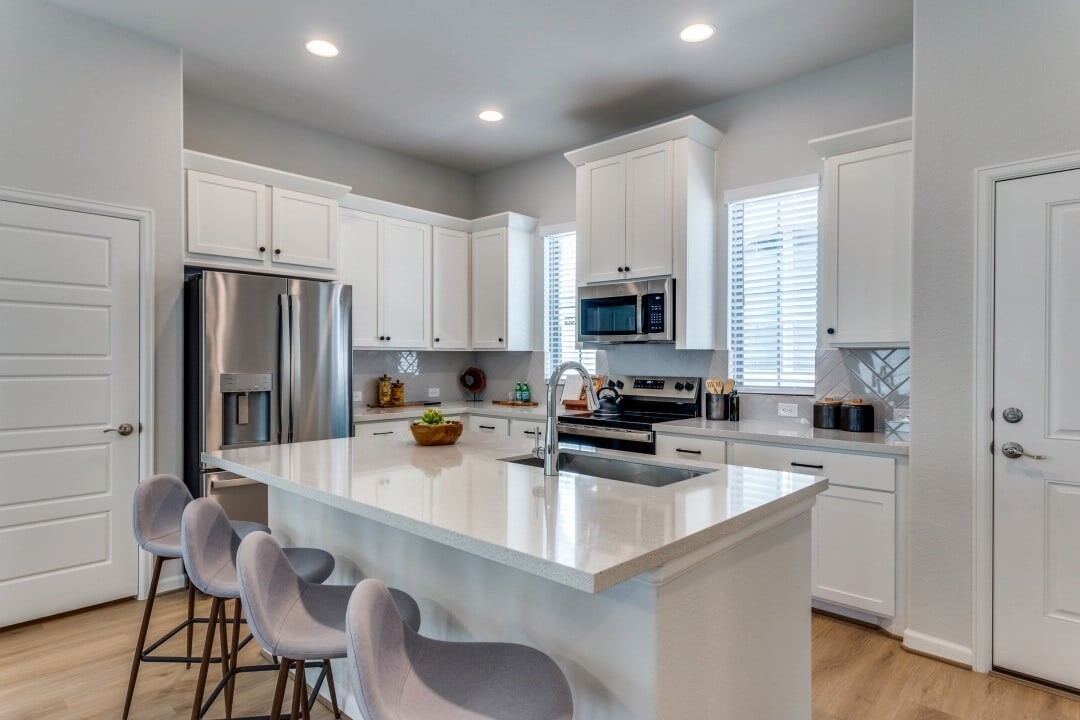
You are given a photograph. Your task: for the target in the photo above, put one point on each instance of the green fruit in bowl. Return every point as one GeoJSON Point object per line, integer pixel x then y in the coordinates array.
{"type": "Point", "coordinates": [432, 417]}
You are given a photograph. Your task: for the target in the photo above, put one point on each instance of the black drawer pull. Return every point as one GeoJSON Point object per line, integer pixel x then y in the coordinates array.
{"type": "Point", "coordinates": [487, 427]}
{"type": "Point", "coordinates": [688, 452]}
{"type": "Point", "coordinates": [806, 465]}
{"type": "Point", "coordinates": [530, 432]}
{"type": "Point", "coordinates": [388, 432]}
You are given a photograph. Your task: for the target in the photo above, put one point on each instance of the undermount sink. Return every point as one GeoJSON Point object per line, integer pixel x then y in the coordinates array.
{"type": "Point", "coordinates": [611, 469]}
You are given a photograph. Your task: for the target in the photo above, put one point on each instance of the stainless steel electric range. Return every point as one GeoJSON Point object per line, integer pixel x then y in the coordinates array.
{"type": "Point", "coordinates": [629, 407]}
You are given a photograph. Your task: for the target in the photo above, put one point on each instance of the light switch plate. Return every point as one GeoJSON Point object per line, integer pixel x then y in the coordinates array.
{"type": "Point", "coordinates": [787, 409]}
{"type": "Point", "coordinates": [433, 392]}
{"type": "Point", "coordinates": [358, 396]}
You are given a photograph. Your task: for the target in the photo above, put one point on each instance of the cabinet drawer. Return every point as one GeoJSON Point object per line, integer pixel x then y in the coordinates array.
{"type": "Point", "coordinates": [854, 549]}
{"type": "Point", "coordinates": [862, 471]}
{"type": "Point", "coordinates": [394, 429]}
{"type": "Point", "coordinates": [526, 430]}
{"type": "Point", "coordinates": [691, 448]}
{"type": "Point", "coordinates": [489, 425]}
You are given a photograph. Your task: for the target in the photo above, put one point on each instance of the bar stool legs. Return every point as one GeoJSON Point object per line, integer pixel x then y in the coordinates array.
{"type": "Point", "coordinates": [141, 644]}
{"type": "Point", "coordinates": [190, 620]}
{"type": "Point", "coordinates": [330, 686]}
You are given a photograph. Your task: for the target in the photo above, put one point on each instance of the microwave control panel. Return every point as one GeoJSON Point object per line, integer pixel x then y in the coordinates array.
{"type": "Point", "coordinates": [653, 308]}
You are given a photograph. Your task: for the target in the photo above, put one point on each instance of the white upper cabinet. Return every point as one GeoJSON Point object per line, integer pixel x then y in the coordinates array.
{"type": "Point", "coordinates": [649, 197]}
{"type": "Point", "coordinates": [247, 217]}
{"type": "Point", "coordinates": [405, 272]}
{"type": "Point", "coordinates": [304, 229]}
{"type": "Point", "coordinates": [388, 263]}
{"type": "Point", "coordinates": [449, 289]}
{"type": "Point", "coordinates": [646, 207]}
{"type": "Point", "coordinates": [226, 217]}
{"type": "Point", "coordinates": [502, 283]}
{"type": "Point", "coordinates": [865, 270]}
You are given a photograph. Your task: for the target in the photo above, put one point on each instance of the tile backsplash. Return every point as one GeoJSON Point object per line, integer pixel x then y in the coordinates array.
{"type": "Point", "coordinates": [882, 376]}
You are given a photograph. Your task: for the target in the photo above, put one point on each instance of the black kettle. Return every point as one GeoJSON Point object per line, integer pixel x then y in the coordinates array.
{"type": "Point", "coordinates": [610, 400]}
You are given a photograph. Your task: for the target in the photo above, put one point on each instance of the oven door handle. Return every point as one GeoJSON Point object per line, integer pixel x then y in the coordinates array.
{"type": "Point", "coordinates": [646, 436]}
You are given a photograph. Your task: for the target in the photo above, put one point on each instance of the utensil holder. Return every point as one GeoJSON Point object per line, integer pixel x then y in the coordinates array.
{"type": "Point", "coordinates": [716, 406]}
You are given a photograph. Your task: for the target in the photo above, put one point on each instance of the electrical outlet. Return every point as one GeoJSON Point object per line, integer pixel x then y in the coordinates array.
{"type": "Point", "coordinates": [358, 396]}
{"type": "Point", "coordinates": [433, 392]}
{"type": "Point", "coordinates": [787, 409]}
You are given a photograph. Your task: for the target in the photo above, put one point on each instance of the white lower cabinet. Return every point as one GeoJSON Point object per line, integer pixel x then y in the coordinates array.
{"type": "Point", "coordinates": [390, 429]}
{"type": "Point", "coordinates": [526, 430]}
{"type": "Point", "coordinates": [854, 522]}
{"type": "Point", "coordinates": [489, 425]}
{"type": "Point", "coordinates": [691, 448]}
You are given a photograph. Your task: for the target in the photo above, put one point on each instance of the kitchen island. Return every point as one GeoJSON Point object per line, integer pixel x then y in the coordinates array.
{"type": "Point", "coordinates": [690, 600]}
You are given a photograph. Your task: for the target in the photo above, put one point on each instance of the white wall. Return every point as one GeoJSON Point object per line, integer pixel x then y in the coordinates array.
{"type": "Point", "coordinates": [221, 128]}
{"type": "Point", "coordinates": [94, 112]}
{"type": "Point", "coordinates": [995, 82]}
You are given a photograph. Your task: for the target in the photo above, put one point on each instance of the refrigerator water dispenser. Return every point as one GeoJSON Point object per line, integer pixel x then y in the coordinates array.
{"type": "Point", "coordinates": [245, 408]}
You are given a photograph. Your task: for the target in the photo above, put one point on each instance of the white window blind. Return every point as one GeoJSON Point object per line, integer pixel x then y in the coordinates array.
{"type": "Point", "coordinates": [773, 286]}
{"type": "Point", "coordinates": [560, 304]}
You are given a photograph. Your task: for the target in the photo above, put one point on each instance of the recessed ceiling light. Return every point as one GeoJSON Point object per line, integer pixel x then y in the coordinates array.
{"type": "Point", "coordinates": [322, 48]}
{"type": "Point", "coordinates": [698, 32]}
{"type": "Point", "coordinates": [491, 116]}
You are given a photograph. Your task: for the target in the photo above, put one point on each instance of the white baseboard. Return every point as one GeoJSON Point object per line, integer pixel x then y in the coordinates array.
{"type": "Point", "coordinates": [930, 645]}
{"type": "Point", "coordinates": [172, 582]}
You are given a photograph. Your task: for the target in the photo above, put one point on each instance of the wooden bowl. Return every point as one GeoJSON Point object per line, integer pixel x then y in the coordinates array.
{"type": "Point", "coordinates": [444, 434]}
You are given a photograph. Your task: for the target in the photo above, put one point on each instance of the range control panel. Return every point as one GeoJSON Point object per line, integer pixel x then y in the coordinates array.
{"type": "Point", "coordinates": [657, 387]}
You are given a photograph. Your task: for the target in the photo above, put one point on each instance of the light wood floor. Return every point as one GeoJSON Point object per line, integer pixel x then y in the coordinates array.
{"type": "Point", "coordinates": [76, 668]}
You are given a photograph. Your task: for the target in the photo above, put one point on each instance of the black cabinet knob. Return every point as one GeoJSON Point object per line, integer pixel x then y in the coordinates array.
{"type": "Point", "coordinates": [831, 331]}
{"type": "Point", "coordinates": [436, 339]}
{"type": "Point", "coordinates": [620, 269]}
{"type": "Point", "coordinates": [387, 337]}
{"type": "Point", "coordinates": [500, 339]}
{"type": "Point", "coordinates": [382, 337]}
{"type": "Point", "coordinates": [277, 251]}
{"type": "Point", "coordinates": [627, 268]}
{"type": "Point", "coordinates": [262, 248]}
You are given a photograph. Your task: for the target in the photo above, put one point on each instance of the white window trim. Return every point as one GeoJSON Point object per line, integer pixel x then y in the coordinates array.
{"type": "Point", "coordinates": [750, 192]}
{"type": "Point", "coordinates": [544, 232]}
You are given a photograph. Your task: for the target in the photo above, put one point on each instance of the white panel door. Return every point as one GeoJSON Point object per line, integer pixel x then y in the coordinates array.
{"type": "Point", "coordinates": [226, 217]}
{"type": "Point", "coordinates": [404, 273]}
{"type": "Point", "coordinates": [650, 186]}
{"type": "Point", "coordinates": [359, 267]}
{"type": "Point", "coordinates": [304, 229]}
{"type": "Point", "coordinates": [602, 218]}
{"type": "Point", "coordinates": [69, 371]}
{"type": "Point", "coordinates": [866, 248]}
{"type": "Point", "coordinates": [489, 285]}
{"type": "Point", "coordinates": [449, 289]}
{"type": "Point", "coordinates": [1037, 499]}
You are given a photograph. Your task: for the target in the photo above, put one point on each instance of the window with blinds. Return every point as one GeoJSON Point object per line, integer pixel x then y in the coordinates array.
{"type": "Point", "coordinates": [773, 284]}
{"type": "Point", "coordinates": [560, 304]}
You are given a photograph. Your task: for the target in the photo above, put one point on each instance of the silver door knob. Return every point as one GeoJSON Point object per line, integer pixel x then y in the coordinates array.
{"type": "Point", "coordinates": [1015, 450]}
{"type": "Point", "coordinates": [124, 429]}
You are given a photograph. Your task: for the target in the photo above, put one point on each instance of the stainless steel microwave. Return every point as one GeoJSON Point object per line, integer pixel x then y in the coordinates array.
{"type": "Point", "coordinates": [628, 312]}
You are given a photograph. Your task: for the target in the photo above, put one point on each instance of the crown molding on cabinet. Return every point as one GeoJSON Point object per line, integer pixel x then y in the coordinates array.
{"type": "Point", "coordinates": [238, 170]}
{"type": "Point", "coordinates": [405, 212]}
{"type": "Point", "coordinates": [884, 133]}
{"type": "Point", "coordinates": [689, 126]}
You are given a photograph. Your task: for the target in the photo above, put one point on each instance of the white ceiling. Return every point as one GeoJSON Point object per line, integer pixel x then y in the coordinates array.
{"type": "Point", "coordinates": [413, 74]}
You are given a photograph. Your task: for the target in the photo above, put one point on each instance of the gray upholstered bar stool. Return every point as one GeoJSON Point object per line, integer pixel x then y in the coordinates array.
{"type": "Point", "coordinates": [156, 515]}
{"type": "Point", "coordinates": [402, 675]}
{"type": "Point", "coordinates": [296, 620]}
{"type": "Point", "coordinates": [209, 544]}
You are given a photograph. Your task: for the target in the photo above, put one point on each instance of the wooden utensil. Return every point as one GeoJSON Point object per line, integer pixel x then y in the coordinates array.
{"type": "Point", "coordinates": [729, 386]}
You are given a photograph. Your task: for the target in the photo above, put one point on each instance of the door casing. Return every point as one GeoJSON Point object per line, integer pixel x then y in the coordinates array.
{"type": "Point", "coordinates": [145, 218]}
{"type": "Point", "coordinates": [986, 179]}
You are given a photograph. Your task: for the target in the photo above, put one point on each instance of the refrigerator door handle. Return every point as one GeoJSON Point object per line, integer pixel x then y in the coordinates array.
{"type": "Point", "coordinates": [285, 370]}
{"type": "Point", "coordinates": [294, 368]}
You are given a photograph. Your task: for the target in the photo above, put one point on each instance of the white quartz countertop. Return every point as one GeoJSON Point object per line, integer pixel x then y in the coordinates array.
{"type": "Point", "coordinates": [787, 433]}
{"type": "Point", "coordinates": [584, 532]}
{"type": "Point", "coordinates": [365, 414]}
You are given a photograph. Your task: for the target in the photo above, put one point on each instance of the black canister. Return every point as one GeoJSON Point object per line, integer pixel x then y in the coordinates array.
{"type": "Point", "coordinates": [857, 415]}
{"type": "Point", "coordinates": [716, 406]}
{"type": "Point", "coordinates": [827, 413]}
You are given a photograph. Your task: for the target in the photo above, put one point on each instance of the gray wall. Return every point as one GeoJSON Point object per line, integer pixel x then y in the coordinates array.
{"type": "Point", "coordinates": [766, 139]}
{"type": "Point", "coordinates": [94, 112]}
{"type": "Point", "coordinates": [222, 128]}
{"type": "Point", "coordinates": [994, 83]}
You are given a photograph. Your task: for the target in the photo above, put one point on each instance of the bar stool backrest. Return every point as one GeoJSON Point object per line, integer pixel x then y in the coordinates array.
{"type": "Point", "coordinates": [209, 544]}
{"type": "Point", "coordinates": [380, 646]}
{"type": "Point", "coordinates": [269, 587]}
{"type": "Point", "coordinates": [158, 506]}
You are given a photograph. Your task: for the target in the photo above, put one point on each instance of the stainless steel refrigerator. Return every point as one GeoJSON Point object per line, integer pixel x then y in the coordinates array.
{"type": "Point", "coordinates": [267, 360]}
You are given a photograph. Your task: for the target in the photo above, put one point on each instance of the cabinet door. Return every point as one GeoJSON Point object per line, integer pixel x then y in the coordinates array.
{"type": "Point", "coordinates": [489, 279]}
{"type": "Point", "coordinates": [449, 289]}
{"type": "Point", "coordinates": [388, 430]}
{"type": "Point", "coordinates": [359, 267]}
{"type": "Point", "coordinates": [489, 425]}
{"type": "Point", "coordinates": [304, 229]}
{"type": "Point", "coordinates": [650, 186]}
{"type": "Point", "coordinates": [688, 448]}
{"type": "Point", "coordinates": [854, 549]}
{"type": "Point", "coordinates": [866, 248]}
{"type": "Point", "coordinates": [527, 430]}
{"type": "Point", "coordinates": [602, 218]}
{"type": "Point", "coordinates": [404, 276]}
{"type": "Point", "coordinates": [226, 217]}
